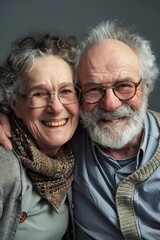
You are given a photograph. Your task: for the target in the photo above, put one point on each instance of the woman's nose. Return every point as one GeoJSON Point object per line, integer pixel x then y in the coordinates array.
{"type": "Point", "coordinates": [54, 104]}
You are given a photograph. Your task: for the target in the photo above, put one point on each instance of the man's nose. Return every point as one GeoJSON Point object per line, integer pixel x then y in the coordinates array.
{"type": "Point", "coordinates": [110, 102]}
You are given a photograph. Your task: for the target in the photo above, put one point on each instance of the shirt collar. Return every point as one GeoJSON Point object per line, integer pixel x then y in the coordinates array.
{"type": "Point", "coordinates": [150, 130]}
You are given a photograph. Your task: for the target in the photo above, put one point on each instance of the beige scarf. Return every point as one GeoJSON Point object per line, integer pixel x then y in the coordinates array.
{"type": "Point", "coordinates": [51, 176]}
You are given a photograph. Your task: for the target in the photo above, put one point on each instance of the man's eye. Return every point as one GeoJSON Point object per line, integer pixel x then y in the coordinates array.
{"type": "Point", "coordinates": [92, 90]}
{"type": "Point", "coordinates": [124, 87]}
{"type": "Point", "coordinates": [40, 94]}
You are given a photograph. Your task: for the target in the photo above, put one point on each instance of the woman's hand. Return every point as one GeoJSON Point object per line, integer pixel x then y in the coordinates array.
{"type": "Point", "coordinates": [5, 132]}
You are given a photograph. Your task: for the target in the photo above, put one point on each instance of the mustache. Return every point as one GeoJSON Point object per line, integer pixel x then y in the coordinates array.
{"type": "Point", "coordinates": [98, 114]}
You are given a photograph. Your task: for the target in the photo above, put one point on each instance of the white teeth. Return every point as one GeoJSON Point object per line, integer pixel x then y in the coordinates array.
{"type": "Point", "coordinates": [55, 124]}
{"type": "Point", "coordinates": [113, 120]}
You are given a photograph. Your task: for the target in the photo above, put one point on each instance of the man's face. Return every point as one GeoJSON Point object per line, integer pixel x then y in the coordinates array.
{"type": "Point", "coordinates": [112, 122]}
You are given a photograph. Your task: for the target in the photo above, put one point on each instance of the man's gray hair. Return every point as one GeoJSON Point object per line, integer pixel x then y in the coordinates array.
{"type": "Point", "coordinates": [114, 30]}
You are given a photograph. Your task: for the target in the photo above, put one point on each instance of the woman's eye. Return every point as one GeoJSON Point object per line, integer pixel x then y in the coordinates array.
{"type": "Point", "coordinates": [39, 94]}
{"type": "Point", "coordinates": [66, 91]}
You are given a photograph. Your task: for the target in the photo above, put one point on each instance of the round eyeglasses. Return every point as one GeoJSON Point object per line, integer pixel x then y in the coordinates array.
{"type": "Point", "coordinates": [41, 98]}
{"type": "Point", "coordinates": [123, 90]}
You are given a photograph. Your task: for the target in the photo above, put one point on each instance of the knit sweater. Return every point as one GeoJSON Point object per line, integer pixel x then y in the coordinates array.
{"type": "Point", "coordinates": [125, 192]}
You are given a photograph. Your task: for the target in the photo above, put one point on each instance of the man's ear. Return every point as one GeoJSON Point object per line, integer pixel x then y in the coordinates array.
{"type": "Point", "coordinates": [15, 108]}
{"type": "Point", "coordinates": [148, 87]}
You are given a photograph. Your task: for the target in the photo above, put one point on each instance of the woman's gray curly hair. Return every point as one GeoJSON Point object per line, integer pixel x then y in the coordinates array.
{"type": "Point", "coordinates": [22, 57]}
{"type": "Point", "coordinates": [114, 30]}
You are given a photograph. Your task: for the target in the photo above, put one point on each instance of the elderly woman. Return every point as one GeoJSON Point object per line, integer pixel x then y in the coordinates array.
{"type": "Point", "coordinates": [37, 92]}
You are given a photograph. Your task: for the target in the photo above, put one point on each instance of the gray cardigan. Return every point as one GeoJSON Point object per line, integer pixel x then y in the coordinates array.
{"type": "Point", "coordinates": [11, 191]}
{"type": "Point", "coordinates": [126, 189]}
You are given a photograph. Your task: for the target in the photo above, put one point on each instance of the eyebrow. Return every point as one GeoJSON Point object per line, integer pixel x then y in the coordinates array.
{"type": "Point", "coordinates": [43, 86]}
{"type": "Point", "coordinates": [64, 84]}
{"type": "Point", "coordinates": [95, 81]}
{"type": "Point", "coordinates": [128, 79]}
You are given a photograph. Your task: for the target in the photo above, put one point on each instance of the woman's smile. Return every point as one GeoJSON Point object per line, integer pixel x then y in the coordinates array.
{"type": "Point", "coordinates": [55, 123]}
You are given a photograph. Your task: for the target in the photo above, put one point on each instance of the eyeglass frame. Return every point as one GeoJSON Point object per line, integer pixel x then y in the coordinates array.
{"type": "Point", "coordinates": [112, 87]}
{"type": "Point", "coordinates": [77, 93]}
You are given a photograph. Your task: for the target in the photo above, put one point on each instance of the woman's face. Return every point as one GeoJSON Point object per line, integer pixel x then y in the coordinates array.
{"type": "Point", "coordinates": [52, 125]}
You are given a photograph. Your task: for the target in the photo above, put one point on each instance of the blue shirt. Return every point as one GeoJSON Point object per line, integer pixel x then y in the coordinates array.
{"type": "Point", "coordinates": [97, 176]}
{"type": "Point", "coordinates": [42, 221]}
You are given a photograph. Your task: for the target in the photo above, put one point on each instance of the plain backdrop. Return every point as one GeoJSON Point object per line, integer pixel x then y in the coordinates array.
{"type": "Point", "coordinates": [76, 17]}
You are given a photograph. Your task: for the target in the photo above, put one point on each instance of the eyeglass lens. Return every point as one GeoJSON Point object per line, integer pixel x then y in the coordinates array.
{"type": "Point", "coordinates": [66, 95]}
{"type": "Point", "coordinates": [94, 93]}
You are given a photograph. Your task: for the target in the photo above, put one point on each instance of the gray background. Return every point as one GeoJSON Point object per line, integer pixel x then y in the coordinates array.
{"type": "Point", "coordinates": [75, 17]}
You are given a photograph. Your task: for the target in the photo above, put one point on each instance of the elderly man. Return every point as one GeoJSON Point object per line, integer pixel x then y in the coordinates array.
{"type": "Point", "coordinates": [117, 174]}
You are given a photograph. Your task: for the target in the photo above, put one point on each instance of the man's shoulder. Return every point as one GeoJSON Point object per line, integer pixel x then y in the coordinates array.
{"type": "Point", "coordinates": [10, 169]}
{"type": "Point", "coordinates": [156, 115]}
{"type": "Point", "coordinates": [81, 138]}
{"type": "Point", "coordinates": [7, 154]}
{"type": "Point", "coordinates": [81, 130]}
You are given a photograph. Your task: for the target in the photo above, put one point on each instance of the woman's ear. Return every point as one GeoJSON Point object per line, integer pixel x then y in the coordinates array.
{"type": "Point", "coordinates": [15, 108]}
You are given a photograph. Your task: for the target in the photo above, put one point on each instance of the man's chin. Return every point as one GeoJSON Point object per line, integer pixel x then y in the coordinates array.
{"type": "Point", "coordinates": [114, 137]}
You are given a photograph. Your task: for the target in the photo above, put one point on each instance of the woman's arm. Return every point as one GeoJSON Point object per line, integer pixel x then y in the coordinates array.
{"type": "Point", "coordinates": [5, 132]}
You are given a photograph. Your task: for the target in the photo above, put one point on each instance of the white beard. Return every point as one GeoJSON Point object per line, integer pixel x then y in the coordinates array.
{"type": "Point", "coordinates": [115, 137]}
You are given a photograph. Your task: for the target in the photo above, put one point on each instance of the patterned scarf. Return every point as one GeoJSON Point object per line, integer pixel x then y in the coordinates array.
{"type": "Point", "coordinates": [52, 176]}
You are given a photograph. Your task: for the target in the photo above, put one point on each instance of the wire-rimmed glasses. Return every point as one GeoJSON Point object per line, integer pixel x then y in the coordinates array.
{"type": "Point", "coordinates": [41, 98]}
